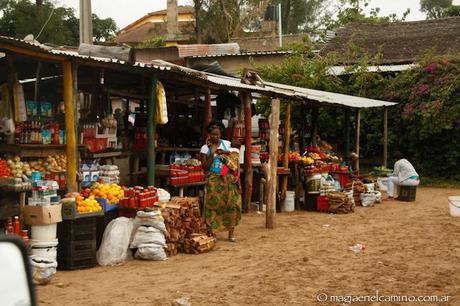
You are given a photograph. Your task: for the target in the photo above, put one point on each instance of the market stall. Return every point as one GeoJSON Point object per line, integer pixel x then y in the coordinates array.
{"type": "Point", "coordinates": [69, 215]}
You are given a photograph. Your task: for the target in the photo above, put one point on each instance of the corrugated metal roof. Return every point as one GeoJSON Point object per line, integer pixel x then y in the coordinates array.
{"type": "Point", "coordinates": [270, 89]}
{"type": "Point", "coordinates": [342, 70]}
{"type": "Point", "coordinates": [286, 52]}
{"type": "Point", "coordinates": [208, 50]}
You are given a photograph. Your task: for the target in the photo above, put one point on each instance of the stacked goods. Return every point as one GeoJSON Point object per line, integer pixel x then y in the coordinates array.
{"type": "Point", "coordinates": [340, 203]}
{"type": "Point", "coordinates": [189, 172]}
{"type": "Point", "coordinates": [89, 171]}
{"type": "Point", "coordinates": [109, 174]}
{"type": "Point", "coordinates": [113, 193]}
{"type": "Point", "coordinates": [4, 169]}
{"type": "Point", "coordinates": [149, 237]}
{"type": "Point", "coordinates": [199, 243]}
{"type": "Point", "coordinates": [182, 220]}
{"type": "Point", "coordinates": [139, 197]}
{"type": "Point", "coordinates": [357, 187]}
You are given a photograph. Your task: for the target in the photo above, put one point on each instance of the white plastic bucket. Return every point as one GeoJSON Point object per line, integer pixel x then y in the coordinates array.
{"type": "Point", "coordinates": [44, 249]}
{"type": "Point", "coordinates": [454, 206]}
{"type": "Point", "coordinates": [44, 232]}
{"type": "Point", "coordinates": [289, 202]}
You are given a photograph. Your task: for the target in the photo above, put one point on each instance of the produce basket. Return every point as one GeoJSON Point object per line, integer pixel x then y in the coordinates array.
{"type": "Point", "coordinates": [69, 212]}
{"type": "Point", "coordinates": [106, 206]}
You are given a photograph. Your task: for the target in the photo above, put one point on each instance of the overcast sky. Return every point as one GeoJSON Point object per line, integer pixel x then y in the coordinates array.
{"type": "Point", "coordinates": [126, 11]}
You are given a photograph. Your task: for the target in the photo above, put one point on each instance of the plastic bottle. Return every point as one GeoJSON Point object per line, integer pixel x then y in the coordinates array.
{"type": "Point", "coordinates": [16, 225]}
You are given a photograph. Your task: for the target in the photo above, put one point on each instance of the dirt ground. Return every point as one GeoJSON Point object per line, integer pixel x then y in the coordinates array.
{"type": "Point", "coordinates": [411, 249]}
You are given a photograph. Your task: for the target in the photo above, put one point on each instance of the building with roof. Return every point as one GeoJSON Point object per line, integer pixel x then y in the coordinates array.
{"type": "Point", "coordinates": [154, 24]}
{"type": "Point", "coordinates": [397, 43]}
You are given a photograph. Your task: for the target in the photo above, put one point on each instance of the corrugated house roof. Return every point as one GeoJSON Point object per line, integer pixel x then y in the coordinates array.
{"type": "Point", "coordinates": [206, 79]}
{"type": "Point", "coordinates": [398, 42]}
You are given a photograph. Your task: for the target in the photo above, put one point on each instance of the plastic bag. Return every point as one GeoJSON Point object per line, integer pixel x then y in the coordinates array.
{"type": "Point", "coordinates": [151, 218]}
{"type": "Point", "coordinates": [378, 196]}
{"type": "Point", "coordinates": [114, 249]}
{"type": "Point", "coordinates": [148, 235]}
{"type": "Point", "coordinates": [151, 252]}
{"type": "Point", "coordinates": [367, 199]}
{"type": "Point", "coordinates": [43, 269]}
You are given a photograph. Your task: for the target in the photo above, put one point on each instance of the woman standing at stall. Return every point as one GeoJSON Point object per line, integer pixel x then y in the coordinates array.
{"type": "Point", "coordinates": [223, 195]}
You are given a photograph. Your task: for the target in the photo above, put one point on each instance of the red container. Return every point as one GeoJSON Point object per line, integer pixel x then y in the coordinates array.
{"type": "Point", "coordinates": [322, 204]}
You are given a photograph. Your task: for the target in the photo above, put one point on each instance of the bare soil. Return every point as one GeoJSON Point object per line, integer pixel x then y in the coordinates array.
{"type": "Point", "coordinates": [411, 249]}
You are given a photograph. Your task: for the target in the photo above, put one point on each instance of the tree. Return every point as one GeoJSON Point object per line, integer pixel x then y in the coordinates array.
{"type": "Point", "coordinates": [48, 23]}
{"type": "Point", "coordinates": [103, 29]}
{"type": "Point", "coordinates": [435, 8]}
{"type": "Point", "coordinates": [298, 15]}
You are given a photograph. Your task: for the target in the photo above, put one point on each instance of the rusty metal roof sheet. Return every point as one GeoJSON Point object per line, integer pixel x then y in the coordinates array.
{"type": "Point", "coordinates": [230, 83]}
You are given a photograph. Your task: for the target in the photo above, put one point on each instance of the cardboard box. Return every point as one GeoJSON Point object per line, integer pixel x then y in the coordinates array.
{"type": "Point", "coordinates": [42, 215]}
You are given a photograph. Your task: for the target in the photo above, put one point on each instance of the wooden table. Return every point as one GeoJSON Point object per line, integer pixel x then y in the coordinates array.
{"type": "Point", "coordinates": [181, 187]}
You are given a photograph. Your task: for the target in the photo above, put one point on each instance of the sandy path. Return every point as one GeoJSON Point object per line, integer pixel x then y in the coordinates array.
{"type": "Point", "coordinates": [411, 249]}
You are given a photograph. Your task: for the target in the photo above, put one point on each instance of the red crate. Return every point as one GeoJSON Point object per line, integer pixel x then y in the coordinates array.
{"type": "Point", "coordinates": [322, 204]}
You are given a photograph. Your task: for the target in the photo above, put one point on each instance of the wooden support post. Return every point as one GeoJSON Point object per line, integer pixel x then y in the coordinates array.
{"type": "Point", "coordinates": [385, 137]}
{"type": "Point", "coordinates": [347, 133]}
{"type": "Point", "coordinates": [248, 175]}
{"type": "Point", "coordinates": [287, 139]}
{"type": "Point", "coordinates": [357, 140]}
{"type": "Point", "coordinates": [314, 124]}
{"type": "Point", "coordinates": [273, 161]}
{"type": "Point", "coordinates": [207, 114]}
{"type": "Point", "coordinates": [151, 127]}
{"type": "Point", "coordinates": [71, 135]}
{"type": "Point", "coordinates": [37, 81]}
{"type": "Point", "coordinates": [303, 114]}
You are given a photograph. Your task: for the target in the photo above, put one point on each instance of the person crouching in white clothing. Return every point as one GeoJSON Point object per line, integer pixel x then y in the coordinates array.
{"type": "Point", "coordinates": [404, 174]}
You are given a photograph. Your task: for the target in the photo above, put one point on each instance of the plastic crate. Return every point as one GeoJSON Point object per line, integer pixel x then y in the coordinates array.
{"type": "Point", "coordinates": [407, 193]}
{"type": "Point", "coordinates": [322, 204]}
{"type": "Point", "coordinates": [101, 224]}
{"type": "Point", "coordinates": [105, 205]}
{"type": "Point", "coordinates": [311, 200]}
{"type": "Point", "coordinates": [69, 212]}
{"type": "Point", "coordinates": [73, 255]}
{"type": "Point", "coordinates": [83, 229]}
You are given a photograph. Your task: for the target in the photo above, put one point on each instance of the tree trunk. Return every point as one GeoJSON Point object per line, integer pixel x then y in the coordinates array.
{"type": "Point", "coordinates": [39, 3]}
{"type": "Point", "coordinates": [198, 21]}
{"type": "Point", "coordinates": [287, 12]}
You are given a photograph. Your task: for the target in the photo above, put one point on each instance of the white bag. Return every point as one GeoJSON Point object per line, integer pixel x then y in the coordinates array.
{"type": "Point", "coordinates": [151, 252]}
{"type": "Point", "coordinates": [367, 199]}
{"type": "Point", "coordinates": [378, 196]}
{"type": "Point", "coordinates": [148, 235]}
{"type": "Point", "coordinates": [43, 269]}
{"type": "Point", "coordinates": [114, 249]}
{"type": "Point", "coordinates": [151, 218]}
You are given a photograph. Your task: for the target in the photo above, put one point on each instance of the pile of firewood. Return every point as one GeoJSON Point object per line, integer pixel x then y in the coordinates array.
{"type": "Point", "coordinates": [198, 244]}
{"type": "Point", "coordinates": [182, 219]}
{"type": "Point", "coordinates": [358, 187]}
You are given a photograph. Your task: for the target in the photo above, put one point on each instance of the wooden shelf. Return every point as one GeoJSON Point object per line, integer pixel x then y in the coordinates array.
{"type": "Point", "coordinates": [109, 154]}
{"type": "Point", "coordinates": [32, 150]}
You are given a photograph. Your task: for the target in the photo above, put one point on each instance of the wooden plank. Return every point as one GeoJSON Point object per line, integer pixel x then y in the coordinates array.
{"type": "Point", "coordinates": [272, 167]}
{"type": "Point", "coordinates": [151, 126]}
{"type": "Point", "coordinates": [357, 140]}
{"type": "Point", "coordinates": [385, 137]}
{"type": "Point", "coordinates": [248, 175]}
{"type": "Point", "coordinates": [303, 115]}
{"type": "Point", "coordinates": [287, 139]}
{"type": "Point", "coordinates": [71, 135]}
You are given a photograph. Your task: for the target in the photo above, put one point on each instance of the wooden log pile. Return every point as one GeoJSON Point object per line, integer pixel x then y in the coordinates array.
{"type": "Point", "coordinates": [198, 244]}
{"type": "Point", "coordinates": [183, 222]}
{"type": "Point", "coordinates": [358, 187]}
